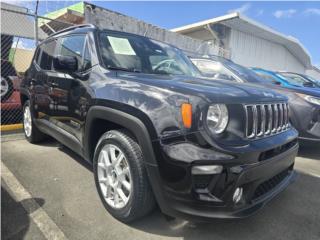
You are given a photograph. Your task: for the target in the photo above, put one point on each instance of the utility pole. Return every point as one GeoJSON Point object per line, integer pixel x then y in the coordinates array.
{"type": "Point", "coordinates": [36, 24]}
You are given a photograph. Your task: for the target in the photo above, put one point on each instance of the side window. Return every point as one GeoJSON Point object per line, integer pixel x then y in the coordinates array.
{"type": "Point", "coordinates": [47, 54]}
{"type": "Point", "coordinates": [75, 46]}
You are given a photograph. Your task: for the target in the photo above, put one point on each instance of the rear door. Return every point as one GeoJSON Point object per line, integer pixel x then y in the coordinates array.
{"type": "Point", "coordinates": [43, 79]}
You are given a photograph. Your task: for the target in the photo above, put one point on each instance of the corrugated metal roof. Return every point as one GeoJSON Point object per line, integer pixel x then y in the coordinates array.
{"type": "Point", "coordinates": [247, 25]}
{"type": "Point", "coordinates": [18, 24]}
{"type": "Point", "coordinates": [76, 9]}
{"type": "Point", "coordinates": [62, 18]}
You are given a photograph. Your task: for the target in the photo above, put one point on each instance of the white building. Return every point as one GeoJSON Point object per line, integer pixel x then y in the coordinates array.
{"type": "Point", "coordinates": [250, 43]}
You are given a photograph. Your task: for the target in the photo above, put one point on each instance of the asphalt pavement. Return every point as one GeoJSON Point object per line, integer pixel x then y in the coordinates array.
{"type": "Point", "coordinates": [48, 192]}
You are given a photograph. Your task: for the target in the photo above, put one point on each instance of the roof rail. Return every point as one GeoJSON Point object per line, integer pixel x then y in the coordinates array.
{"type": "Point", "coordinates": [72, 28]}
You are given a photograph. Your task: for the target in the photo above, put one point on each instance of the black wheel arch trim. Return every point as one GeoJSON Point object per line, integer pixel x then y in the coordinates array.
{"type": "Point", "coordinates": [25, 93]}
{"type": "Point", "coordinates": [132, 123]}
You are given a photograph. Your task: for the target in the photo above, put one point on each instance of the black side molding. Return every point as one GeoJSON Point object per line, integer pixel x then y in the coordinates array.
{"type": "Point", "coordinates": [59, 134]}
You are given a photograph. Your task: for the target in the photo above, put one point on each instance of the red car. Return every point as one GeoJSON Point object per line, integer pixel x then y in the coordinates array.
{"type": "Point", "coordinates": [10, 95]}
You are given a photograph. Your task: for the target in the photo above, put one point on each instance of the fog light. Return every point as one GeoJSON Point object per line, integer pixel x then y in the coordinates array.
{"type": "Point", "coordinates": [206, 169]}
{"type": "Point", "coordinates": [237, 195]}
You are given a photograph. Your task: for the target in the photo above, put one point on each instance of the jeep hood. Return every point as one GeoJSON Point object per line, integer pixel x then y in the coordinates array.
{"type": "Point", "coordinates": [211, 90]}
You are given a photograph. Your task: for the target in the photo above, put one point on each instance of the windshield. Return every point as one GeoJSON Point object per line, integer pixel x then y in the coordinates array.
{"type": "Point", "coordinates": [121, 51]}
{"type": "Point", "coordinates": [297, 80]}
{"type": "Point", "coordinates": [214, 70]}
{"type": "Point", "coordinates": [317, 81]}
{"type": "Point", "coordinates": [245, 73]}
{"type": "Point", "coordinates": [311, 78]}
{"type": "Point", "coordinates": [269, 78]}
{"type": "Point", "coordinates": [226, 70]}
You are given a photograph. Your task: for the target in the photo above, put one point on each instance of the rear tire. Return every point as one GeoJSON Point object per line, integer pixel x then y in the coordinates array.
{"type": "Point", "coordinates": [31, 132]}
{"type": "Point", "coordinates": [131, 204]}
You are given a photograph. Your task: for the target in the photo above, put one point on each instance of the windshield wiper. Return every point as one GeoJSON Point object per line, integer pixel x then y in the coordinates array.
{"type": "Point", "coordinates": [123, 69]}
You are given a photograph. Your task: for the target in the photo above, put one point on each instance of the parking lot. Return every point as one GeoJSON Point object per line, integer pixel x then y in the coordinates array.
{"type": "Point", "coordinates": [48, 192]}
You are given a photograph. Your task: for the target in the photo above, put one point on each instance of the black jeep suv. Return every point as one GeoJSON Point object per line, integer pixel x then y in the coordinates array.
{"type": "Point", "coordinates": [154, 130]}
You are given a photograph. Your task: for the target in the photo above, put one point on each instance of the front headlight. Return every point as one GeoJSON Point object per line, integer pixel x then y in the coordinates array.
{"type": "Point", "coordinates": [217, 118]}
{"type": "Point", "coordinates": [313, 100]}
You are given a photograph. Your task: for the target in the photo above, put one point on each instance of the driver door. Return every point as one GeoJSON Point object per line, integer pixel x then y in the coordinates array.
{"type": "Point", "coordinates": [71, 89]}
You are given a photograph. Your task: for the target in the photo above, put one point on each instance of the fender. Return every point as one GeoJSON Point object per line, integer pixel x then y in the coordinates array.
{"type": "Point", "coordinates": [132, 123]}
{"type": "Point", "coordinates": [136, 126]}
{"type": "Point", "coordinates": [295, 120]}
{"type": "Point", "coordinates": [24, 92]}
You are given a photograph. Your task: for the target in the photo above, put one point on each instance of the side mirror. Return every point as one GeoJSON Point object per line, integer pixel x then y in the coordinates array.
{"type": "Point", "coordinates": [65, 63]}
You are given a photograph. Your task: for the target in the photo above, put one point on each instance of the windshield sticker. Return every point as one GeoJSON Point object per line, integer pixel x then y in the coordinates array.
{"type": "Point", "coordinates": [121, 46]}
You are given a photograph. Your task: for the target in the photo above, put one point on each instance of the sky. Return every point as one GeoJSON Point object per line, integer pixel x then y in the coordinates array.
{"type": "Point", "coordinates": [298, 19]}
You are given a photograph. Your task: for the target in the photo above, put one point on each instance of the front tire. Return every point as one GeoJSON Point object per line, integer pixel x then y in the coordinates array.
{"type": "Point", "coordinates": [121, 177]}
{"type": "Point", "coordinates": [31, 132]}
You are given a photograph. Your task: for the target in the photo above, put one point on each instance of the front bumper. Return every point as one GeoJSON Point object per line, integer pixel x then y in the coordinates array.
{"type": "Point", "coordinates": [213, 198]}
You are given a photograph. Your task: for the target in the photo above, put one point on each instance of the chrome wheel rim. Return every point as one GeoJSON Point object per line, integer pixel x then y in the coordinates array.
{"type": "Point", "coordinates": [27, 121]}
{"type": "Point", "coordinates": [114, 176]}
{"type": "Point", "coordinates": [4, 86]}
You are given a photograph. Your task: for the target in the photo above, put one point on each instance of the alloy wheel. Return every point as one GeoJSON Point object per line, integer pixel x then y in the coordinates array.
{"type": "Point", "coordinates": [27, 121]}
{"type": "Point", "coordinates": [114, 176]}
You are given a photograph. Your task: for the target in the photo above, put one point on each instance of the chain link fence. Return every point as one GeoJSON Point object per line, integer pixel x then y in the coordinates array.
{"type": "Point", "coordinates": [13, 63]}
{"type": "Point", "coordinates": [21, 30]}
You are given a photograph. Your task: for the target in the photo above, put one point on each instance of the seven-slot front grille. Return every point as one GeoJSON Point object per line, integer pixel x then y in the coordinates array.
{"type": "Point", "coordinates": [263, 120]}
